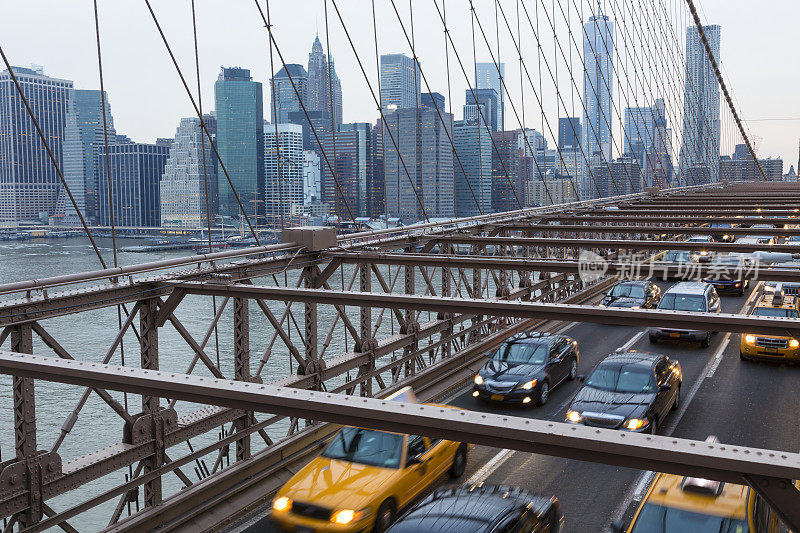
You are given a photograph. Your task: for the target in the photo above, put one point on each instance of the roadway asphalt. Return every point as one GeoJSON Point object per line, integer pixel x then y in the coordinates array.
{"type": "Point", "coordinates": [744, 403]}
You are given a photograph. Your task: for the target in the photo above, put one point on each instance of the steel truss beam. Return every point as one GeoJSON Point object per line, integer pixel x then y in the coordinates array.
{"type": "Point", "coordinates": [498, 308]}
{"type": "Point", "coordinates": [662, 219]}
{"type": "Point", "coordinates": [620, 244]}
{"type": "Point", "coordinates": [664, 230]}
{"type": "Point", "coordinates": [733, 464]}
{"type": "Point", "coordinates": [656, 269]}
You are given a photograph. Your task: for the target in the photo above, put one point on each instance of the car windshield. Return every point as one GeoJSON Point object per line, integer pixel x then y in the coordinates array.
{"type": "Point", "coordinates": [617, 377]}
{"type": "Point", "coordinates": [682, 302]}
{"type": "Point", "coordinates": [676, 256]}
{"type": "Point", "coordinates": [720, 225]}
{"type": "Point", "coordinates": [775, 311]}
{"type": "Point", "coordinates": [794, 238]}
{"type": "Point", "coordinates": [522, 353]}
{"type": "Point", "coordinates": [699, 238]}
{"type": "Point", "coordinates": [366, 446]}
{"type": "Point", "coordinates": [627, 290]}
{"type": "Point", "coordinates": [660, 519]}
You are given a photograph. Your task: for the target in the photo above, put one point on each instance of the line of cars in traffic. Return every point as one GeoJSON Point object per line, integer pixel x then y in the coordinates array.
{"type": "Point", "coordinates": [368, 480]}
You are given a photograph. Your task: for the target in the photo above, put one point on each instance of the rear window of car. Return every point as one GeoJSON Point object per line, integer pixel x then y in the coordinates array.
{"type": "Point", "coordinates": [682, 302]}
{"type": "Point", "coordinates": [431, 523]}
{"type": "Point", "coordinates": [775, 311]}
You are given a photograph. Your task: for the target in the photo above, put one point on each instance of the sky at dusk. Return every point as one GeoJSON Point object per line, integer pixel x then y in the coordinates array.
{"type": "Point", "coordinates": [759, 56]}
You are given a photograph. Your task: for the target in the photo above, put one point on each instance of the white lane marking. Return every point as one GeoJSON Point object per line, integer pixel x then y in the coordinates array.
{"type": "Point", "coordinates": [685, 401]}
{"type": "Point", "coordinates": [719, 354]}
{"type": "Point", "coordinates": [493, 464]}
{"type": "Point", "coordinates": [632, 341]}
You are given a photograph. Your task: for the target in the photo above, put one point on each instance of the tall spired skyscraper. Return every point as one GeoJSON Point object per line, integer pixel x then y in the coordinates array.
{"type": "Point", "coordinates": [701, 137]}
{"type": "Point", "coordinates": [487, 77]}
{"type": "Point", "coordinates": [324, 93]}
{"type": "Point", "coordinates": [598, 53]}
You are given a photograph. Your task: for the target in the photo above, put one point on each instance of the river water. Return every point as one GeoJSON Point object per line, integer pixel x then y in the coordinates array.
{"type": "Point", "coordinates": [87, 336]}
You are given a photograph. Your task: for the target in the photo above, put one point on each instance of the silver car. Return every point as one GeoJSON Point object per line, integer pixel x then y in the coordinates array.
{"type": "Point", "coordinates": [687, 296]}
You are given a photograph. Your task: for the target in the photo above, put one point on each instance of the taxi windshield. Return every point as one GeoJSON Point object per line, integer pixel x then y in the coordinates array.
{"type": "Point", "coordinates": [781, 312]}
{"type": "Point", "coordinates": [616, 377]}
{"type": "Point", "coordinates": [522, 353]}
{"type": "Point", "coordinates": [676, 256]}
{"type": "Point", "coordinates": [660, 519]}
{"type": "Point", "coordinates": [682, 302]}
{"type": "Point", "coordinates": [627, 290]}
{"type": "Point", "coordinates": [366, 446]}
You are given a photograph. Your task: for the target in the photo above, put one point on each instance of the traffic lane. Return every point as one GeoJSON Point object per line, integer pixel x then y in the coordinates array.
{"type": "Point", "coordinates": [747, 403]}
{"type": "Point", "coordinates": [590, 493]}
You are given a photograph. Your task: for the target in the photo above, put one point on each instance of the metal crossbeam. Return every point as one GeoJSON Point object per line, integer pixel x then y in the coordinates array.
{"type": "Point", "coordinates": [734, 464]}
{"type": "Point", "coordinates": [664, 230]}
{"type": "Point", "coordinates": [550, 311]}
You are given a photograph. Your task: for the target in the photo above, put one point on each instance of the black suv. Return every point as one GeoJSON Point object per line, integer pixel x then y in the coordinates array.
{"type": "Point", "coordinates": [526, 368]}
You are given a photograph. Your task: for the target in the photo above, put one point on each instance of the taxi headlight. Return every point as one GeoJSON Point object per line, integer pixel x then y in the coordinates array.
{"type": "Point", "coordinates": [478, 380]}
{"type": "Point", "coordinates": [704, 252]}
{"type": "Point", "coordinates": [574, 416]}
{"type": "Point", "coordinates": [528, 385]}
{"type": "Point", "coordinates": [635, 423]}
{"type": "Point", "coordinates": [348, 516]}
{"type": "Point", "coordinates": [794, 343]}
{"type": "Point", "coordinates": [750, 339]}
{"type": "Point", "coordinates": [281, 504]}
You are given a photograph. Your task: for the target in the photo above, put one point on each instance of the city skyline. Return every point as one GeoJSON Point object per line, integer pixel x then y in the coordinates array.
{"type": "Point", "coordinates": [75, 61]}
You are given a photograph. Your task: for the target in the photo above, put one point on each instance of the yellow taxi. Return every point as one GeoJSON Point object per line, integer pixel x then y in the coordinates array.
{"type": "Point", "coordinates": [361, 480]}
{"type": "Point", "coordinates": [772, 347]}
{"type": "Point", "coordinates": [676, 504]}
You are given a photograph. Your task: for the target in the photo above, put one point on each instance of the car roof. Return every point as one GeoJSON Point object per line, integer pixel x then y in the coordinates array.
{"type": "Point", "coordinates": [633, 357]}
{"type": "Point", "coordinates": [700, 237]}
{"type": "Point", "coordinates": [633, 282]}
{"type": "Point", "coordinates": [535, 336]}
{"type": "Point", "coordinates": [789, 302]}
{"type": "Point", "coordinates": [668, 491]}
{"type": "Point", "coordinates": [688, 287]}
{"type": "Point", "coordinates": [484, 503]}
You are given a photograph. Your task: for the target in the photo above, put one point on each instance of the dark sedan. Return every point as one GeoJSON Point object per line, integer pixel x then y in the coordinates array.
{"type": "Point", "coordinates": [633, 295]}
{"type": "Point", "coordinates": [729, 284]}
{"type": "Point", "coordinates": [526, 368]}
{"type": "Point", "coordinates": [631, 390]}
{"type": "Point", "coordinates": [481, 509]}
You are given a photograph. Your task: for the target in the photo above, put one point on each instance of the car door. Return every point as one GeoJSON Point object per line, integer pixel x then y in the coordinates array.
{"type": "Point", "coordinates": [439, 457]}
{"type": "Point", "coordinates": [415, 469]}
{"type": "Point", "coordinates": [664, 398]}
{"type": "Point", "coordinates": [557, 365]}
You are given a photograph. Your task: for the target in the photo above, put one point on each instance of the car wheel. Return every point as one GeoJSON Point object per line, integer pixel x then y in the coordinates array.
{"type": "Point", "coordinates": [544, 393]}
{"type": "Point", "coordinates": [677, 402]}
{"type": "Point", "coordinates": [706, 342]}
{"type": "Point", "coordinates": [573, 370]}
{"type": "Point", "coordinates": [459, 462]}
{"type": "Point", "coordinates": [653, 339]}
{"type": "Point", "coordinates": [385, 516]}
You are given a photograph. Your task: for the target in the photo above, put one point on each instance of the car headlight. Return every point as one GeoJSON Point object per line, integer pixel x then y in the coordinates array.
{"type": "Point", "coordinates": [636, 306]}
{"type": "Point", "coordinates": [635, 423]}
{"type": "Point", "coordinates": [528, 385]}
{"type": "Point", "coordinates": [750, 339]}
{"type": "Point", "coordinates": [574, 416]}
{"type": "Point", "coordinates": [348, 516]}
{"type": "Point", "coordinates": [704, 252]}
{"type": "Point", "coordinates": [478, 380]}
{"type": "Point", "coordinates": [794, 343]}
{"type": "Point", "coordinates": [281, 504]}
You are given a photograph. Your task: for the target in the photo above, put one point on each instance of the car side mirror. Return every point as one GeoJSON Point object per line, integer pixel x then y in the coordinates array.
{"type": "Point", "coordinates": [414, 460]}
{"type": "Point", "coordinates": [581, 378]}
{"type": "Point", "coordinates": [617, 526]}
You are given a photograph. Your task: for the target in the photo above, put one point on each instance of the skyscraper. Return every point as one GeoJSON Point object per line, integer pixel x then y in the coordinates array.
{"type": "Point", "coordinates": [290, 86]}
{"type": "Point", "coordinates": [84, 143]}
{"type": "Point", "coordinates": [486, 100]}
{"type": "Point", "coordinates": [508, 177]}
{"type": "Point", "coordinates": [473, 184]}
{"type": "Point", "coordinates": [342, 190]}
{"type": "Point", "coordinates": [569, 133]}
{"type": "Point", "coordinates": [638, 135]}
{"type": "Point", "coordinates": [400, 82]}
{"type": "Point", "coordinates": [283, 173]}
{"type": "Point", "coordinates": [376, 197]}
{"type": "Point", "coordinates": [136, 170]}
{"type": "Point", "coordinates": [240, 142]}
{"type": "Point", "coordinates": [701, 123]}
{"type": "Point", "coordinates": [433, 100]}
{"type": "Point", "coordinates": [319, 123]}
{"type": "Point", "coordinates": [29, 183]}
{"type": "Point", "coordinates": [431, 179]}
{"type": "Point", "coordinates": [188, 180]}
{"type": "Point", "coordinates": [486, 77]}
{"type": "Point", "coordinates": [322, 94]}
{"type": "Point", "coordinates": [598, 82]}
{"type": "Point", "coordinates": [365, 159]}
